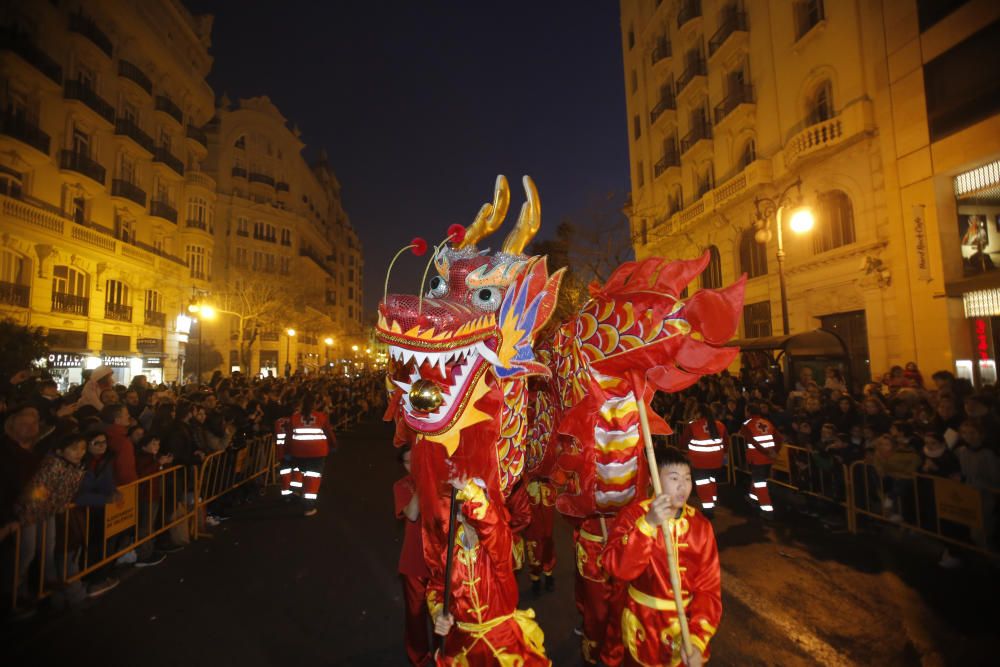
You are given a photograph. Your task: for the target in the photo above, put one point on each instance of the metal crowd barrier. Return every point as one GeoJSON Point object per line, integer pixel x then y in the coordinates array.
{"type": "Point", "coordinates": [55, 553]}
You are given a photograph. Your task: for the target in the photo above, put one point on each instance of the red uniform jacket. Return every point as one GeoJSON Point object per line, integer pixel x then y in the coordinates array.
{"type": "Point", "coordinates": [704, 450]}
{"type": "Point", "coordinates": [308, 439]}
{"type": "Point", "coordinates": [636, 554]}
{"type": "Point", "coordinates": [762, 439]}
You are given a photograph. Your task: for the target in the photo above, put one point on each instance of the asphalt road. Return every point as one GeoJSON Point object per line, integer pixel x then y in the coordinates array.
{"type": "Point", "coordinates": [271, 587]}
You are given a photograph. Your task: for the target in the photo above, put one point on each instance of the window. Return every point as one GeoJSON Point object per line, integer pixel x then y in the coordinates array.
{"type": "Point", "coordinates": [753, 255]}
{"type": "Point", "coordinates": [286, 265]}
{"type": "Point", "coordinates": [350, 312]}
{"type": "Point", "coordinates": [116, 300]}
{"type": "Point", "coordinates": [240, 143]}
{"type": "Point", "coordinates": [67, 280]}
{"type": "Point", "coordinates": [128, 112]}
{"type": "Point", "coordinates": [197, 262]}
{"type": "Point", "coordinates": [711, 277]}
{"type": "Point", "coordinates": [126, 168]}
{"type": "Point", "coordinates": [126, 230]}
{"type": "Point", "coordinates": [636, 127]}
{"type": "Point", "coordinates": [705, 182]}
{"type": "Point", "coordinates": [835, 224]}
{"type": "Point", "coordinates": [165, 139]}
{"type": "Point", "coordinates": [631, 37]}
{"type": "Point", "coordinates": [200, 213]}
{"type": "Point", "coordinates": [747, 155]}
{"type": "Point", "coordinates": [241, 257]}
{"type": "Point", "coordinates": [153, 302]}
{"type": "Point", "coordinates": [81, 141]}
{"type": "Point", "coordinates": [11, 184]}
{"type": "Point", "coordinates": [116, 343]}
{"type": "Point", "coordinates": [13, 269]}
{"type": "Point", "coordinates": [757, 319]}
{"type": "Point", "coordinates": [635, 81]}
{"type": "Point", "coordinates": [350, 292]}
{"type": "Point", "coordinates": [258, 260]}
{"type": "Point", "coordinates": [286, 237]}
{"type": "Point", "coordinates": [820, 106]}
{"type": "Point", "coordinates": [242, 226]}
{"type": "Point", "coordinates": [263, 231]}
{"type": "Point", "coordinates": [271, 263]}
{"type": "Point", "coordinates": [808, 13]}
{"type": "Point", "coordinates": [643, 232]}
{"type": "Point", "coordinates": [641, 175]}
{"type": "Point", "coordinates": [78, 209]}
{"type": "Point", "coordinates": [85, 76]}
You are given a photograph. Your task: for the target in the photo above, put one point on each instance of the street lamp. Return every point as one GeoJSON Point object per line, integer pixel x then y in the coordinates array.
{"type": "Point", "coordinates": [329, 342]}
{"type": "Point", "coordinates": [801, 221]}
{"type": "Point", "coordinates": [288, 352]}
{"type": "Point", "coordinates": [203, 312]}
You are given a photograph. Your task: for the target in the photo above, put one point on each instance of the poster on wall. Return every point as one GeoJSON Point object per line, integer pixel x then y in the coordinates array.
{"type": "Point", "coordinates": [980, 241]}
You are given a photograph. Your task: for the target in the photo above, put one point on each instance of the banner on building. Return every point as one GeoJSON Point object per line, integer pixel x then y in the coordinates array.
{"type": "Point", "coordinates": [920, 242]}
{"type": "Point", "coordinates": [958, 503]}
{"type": "Point", "coordinates": [121, 515]}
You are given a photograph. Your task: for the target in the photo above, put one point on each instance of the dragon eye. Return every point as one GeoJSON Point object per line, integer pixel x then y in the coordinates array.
{"type": "Point", "coordinates": [438, 287]}
{"type": "Point", "coordinates": [487, 298]}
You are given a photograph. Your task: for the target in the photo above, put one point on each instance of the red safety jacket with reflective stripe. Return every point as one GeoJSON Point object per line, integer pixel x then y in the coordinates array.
{"type": "Point", "coordinates": [308, 435]}
{"type": "Point", "coordinates": [762, 439]}
{"type": "Point", "coordinates": [704, 450]}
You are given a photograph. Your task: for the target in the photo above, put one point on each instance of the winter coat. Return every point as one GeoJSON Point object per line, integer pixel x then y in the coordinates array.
{"type": "Point", "coordinates": [97, 488]}
{"type": "Point", "coordinates": [50, 491]}
{"type": "Point", "coordinates": [124, 451]}
{"type": "Point", "coordinates": [17, 468]}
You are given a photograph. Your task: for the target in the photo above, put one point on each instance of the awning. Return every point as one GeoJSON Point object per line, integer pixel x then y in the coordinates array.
{"type": "Point", "coordinates": [818, 343]}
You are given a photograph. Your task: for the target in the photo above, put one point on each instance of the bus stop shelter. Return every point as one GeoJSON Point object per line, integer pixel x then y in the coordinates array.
{"type": "Point", "coordinates": [815, 349]}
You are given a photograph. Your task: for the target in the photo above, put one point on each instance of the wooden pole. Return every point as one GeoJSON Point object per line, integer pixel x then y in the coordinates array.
{"type": "Point", "coordinates": [675, 575]}
{"type": "Point", "coordinates": [450, 557]}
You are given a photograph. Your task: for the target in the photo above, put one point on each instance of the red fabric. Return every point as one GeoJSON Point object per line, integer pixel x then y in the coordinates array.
{"type": "Point", "coordinates": [308, 449]}
{"type": "Point", "coordinates": [146, 465]}
{"type": "Point", "coordinates": [635, 557]}
{"type": "Point", "coordinates": [124, 450]}
{"type": "Point", "coordinates": [753, 428]}
{"type": "Point", "coordinates": [698, 430]}
{"type": "Point", "coordinates": [416, 624]}
{"type": "Point", "coordinates": [538, 535]}
{"type": "Point", "coordinates": [593, 590]}
{"type": "Point", "coordinates": [411, 556]}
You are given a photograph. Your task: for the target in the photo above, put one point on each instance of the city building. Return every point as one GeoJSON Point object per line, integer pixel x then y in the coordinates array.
{"type": "Point", "coordinates": [100, 152]}
{"type": "Point", "coordinates": [285, 236]}
{"type": "Point", "coordinates": [739, 112]}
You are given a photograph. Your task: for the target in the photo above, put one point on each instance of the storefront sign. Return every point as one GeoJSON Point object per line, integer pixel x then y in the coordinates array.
{"type": "Point", "coordinates": [982, 340]}
{"type": "Point", "coordinates": [920, 242]}
{"type": "Point", "coordinates": [121, 515]}
{"type": "Point", "coordinates": [152, 362]}
{"type": "Point", "coordinates": [958, 502]}
{"type": "Point", "coordinates": [149, 345]}
{"type": "Point", "coordinates": [65, 360]}
{"type": "Point", "coordinates": [116, 361]}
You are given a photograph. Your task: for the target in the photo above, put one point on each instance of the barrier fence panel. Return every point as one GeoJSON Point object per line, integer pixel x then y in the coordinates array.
{"type": "Point", "coordinates": [946, 509]}
{"type": "Point", "coordinates": [56, 553]}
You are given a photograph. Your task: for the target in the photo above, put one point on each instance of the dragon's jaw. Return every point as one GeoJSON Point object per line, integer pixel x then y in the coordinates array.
{"type": "Point", "coordinates": [456, 372]}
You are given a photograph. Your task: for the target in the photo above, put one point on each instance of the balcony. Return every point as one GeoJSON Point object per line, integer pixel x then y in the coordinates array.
{"type": "Point", "coordinates": [201, 180]}
{"type": "Point", "coordinates": [242, 232]}
{"type": "Point", "coordinates": [197, 135]}
{"type": "Point", "coordinates": [695, 68]}
{"type": "Point", "coordinates": [281, 186]}
{"type": "Point", "coordinates": [84, 25]}
{"type": "Point", "coordinates": [161, 209]}
{"type": "Point", "coordinates": [852, 122]}
{"type": "Point", "coordinates": [117, 312]}
{"type": "Point", "coordinates": [667, 103]}
{"type": "Point", "coordinates": [733, 22]}
{"type": "Point", "coordinates": [199, 224]}
{"type": "Point", "coordinates": [162, 155]}
{"type": "Point", "coordinates": [690, 10]}
{"type": "Point", "coordinates": [738, 96]}
{"type": "Point", "coordinates": [154, 319]}
{"type": "Point", "coordinates": [670, 159]}
{"type": "Point", "coordinates": [126, 127]}
{"type": "Point", "coordinates": [700, 132]}
{"type": "Point", "coordinates": [77, 90]}
{"type": "Point", "coordinates": [13, 294]}
{"type": "Point", "coordinates": [82, 164]}
{"type": "Point", "coordinates": [239, 172]}
{"type": "Point", "coordinates": [167, 106]}
{"type": "Point", "coordinates": [70, 303]}
{"type": "Point", "coordinates": [127, 70]}
{"type": "Point", "coordinates": [21, 128]}
{"type": "Point", "coordinates": [22, 45]}
{"type": "Point", "coordinates": [261, 178]}
{"type": "Point", "coordinates": [128, 190]}
{"type": "Point", "coordinates": [661, 52]}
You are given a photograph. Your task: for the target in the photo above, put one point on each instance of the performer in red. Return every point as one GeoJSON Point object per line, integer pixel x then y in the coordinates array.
{"type": "Point", "coordinates": [593, 591]}
{"type": "Point", "coordinates": [412, 569]}
{"type": "Point", "coordinates": [763, 443]}
{"type": "Point", "coordinates": [636, 554]}
{"type": "Point", "coordinates": [538, 535]}
{"type": "Point", "coordinates": [519, 508]}
{"type": "Point", "coordinates": [705, 439]}
{"type": "Point", "coordinates": [308, 447]}
{"type": "Point", "coordinates": [483, 625]}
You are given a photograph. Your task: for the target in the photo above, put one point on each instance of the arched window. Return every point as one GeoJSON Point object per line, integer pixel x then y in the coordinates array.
{"type": "Point", "coordinates": [820, 104]}
{"type": "Point", "coordinates": [753, 255]}
{"type": "Point", "coordinates": [747, 155]}
{"type": "Point", "coordinates": [711, 277]}
{"type": "Point", "coordinates": [834, 222]}
{"type": "Point", "coordinates": [199, 214]}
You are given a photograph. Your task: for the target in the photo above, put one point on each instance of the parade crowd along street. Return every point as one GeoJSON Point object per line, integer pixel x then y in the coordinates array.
{"type": "Point", "coordinates": [494, 399]}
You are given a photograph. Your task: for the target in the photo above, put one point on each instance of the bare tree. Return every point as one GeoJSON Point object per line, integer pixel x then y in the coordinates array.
{"type": "Point", "coordinates": [258, 302]}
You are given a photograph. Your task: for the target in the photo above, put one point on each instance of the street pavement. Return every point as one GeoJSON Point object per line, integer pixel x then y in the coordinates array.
{"type": "Point", "coordinates": [271, 587]}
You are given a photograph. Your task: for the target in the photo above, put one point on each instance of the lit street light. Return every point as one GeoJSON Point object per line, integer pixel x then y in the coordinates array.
{"type": "Point", "coordinates": [801, 221]}
{"type": "Point", "coordinates": [329, 342]}
{"type": "Point", "coordinates": [203, 312]}
{"type": "Point", "coordinates": [288, 352]}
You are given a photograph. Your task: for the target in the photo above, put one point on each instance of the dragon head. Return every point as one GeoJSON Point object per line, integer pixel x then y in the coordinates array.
{"type": "Point", "coordinates": [474, 328]}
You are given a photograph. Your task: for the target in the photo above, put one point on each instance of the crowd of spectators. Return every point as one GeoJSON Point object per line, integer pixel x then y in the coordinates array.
{"type": "Point", "coordinates": [66, 455]}
{"type": "Point", "coordinates": [901, 424]}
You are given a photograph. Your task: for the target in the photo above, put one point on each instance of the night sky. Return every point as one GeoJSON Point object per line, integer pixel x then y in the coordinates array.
{"type": "Point", "coordinates": [421, 104]}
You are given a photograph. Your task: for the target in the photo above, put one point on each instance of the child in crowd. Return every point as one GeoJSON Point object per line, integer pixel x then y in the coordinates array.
{"type": "Point", "coordinates": [97, 489]}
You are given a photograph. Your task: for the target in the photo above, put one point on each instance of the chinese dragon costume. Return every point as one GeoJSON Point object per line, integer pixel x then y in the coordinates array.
{"type": "Point", "coordinates": [467, 370]}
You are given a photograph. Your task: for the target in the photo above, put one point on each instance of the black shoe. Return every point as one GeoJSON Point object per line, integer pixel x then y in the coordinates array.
{"type": "Point", "coordinates": [152, 559]}
{"type": "Point", "coordinates": [550, 583]}
{"type": "Point", "coordinates": [536, 587]}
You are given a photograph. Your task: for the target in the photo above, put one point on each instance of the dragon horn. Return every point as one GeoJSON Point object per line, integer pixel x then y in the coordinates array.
{"type": "Point", "coordinates": [490, 215]}
{"type": "Point", "coordinates": [527, 223]}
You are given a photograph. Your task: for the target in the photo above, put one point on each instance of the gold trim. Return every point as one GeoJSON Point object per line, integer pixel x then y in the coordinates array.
{"type": "Point", "coordinates": [653, 602]}
{"type": "Point", "coordinates": [590, 537]}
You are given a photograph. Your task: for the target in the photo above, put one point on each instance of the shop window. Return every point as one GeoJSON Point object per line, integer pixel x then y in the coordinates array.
{"type": "Point", "coordinates": [711, 277]}
{"type": "Point", "coordinates": [753, 255]}
{"type": "Point", "coordinates": [835, 226]}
